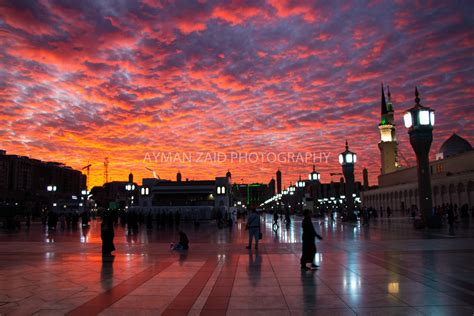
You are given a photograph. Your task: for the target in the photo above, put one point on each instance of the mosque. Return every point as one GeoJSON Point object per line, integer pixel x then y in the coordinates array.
{"type": "Point", "coordinates": [452, 173]}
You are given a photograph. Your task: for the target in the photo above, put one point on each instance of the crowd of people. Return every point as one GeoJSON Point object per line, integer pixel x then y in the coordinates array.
{"type": "Point", "coordinates": [66, 220]}
{"type": "Point", "coordinates": [134, 219]}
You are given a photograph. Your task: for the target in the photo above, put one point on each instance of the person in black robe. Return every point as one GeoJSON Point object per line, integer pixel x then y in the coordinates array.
{"type": "Point", "coordinates": [309, 244]}
{"type": "Point", "coordinates": [107, 236]}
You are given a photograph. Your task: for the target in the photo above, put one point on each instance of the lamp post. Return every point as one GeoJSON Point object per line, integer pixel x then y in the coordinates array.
{"type": "Point", "coordinates": [314, 175]}
{"type": "Point", "coordinates": [300, 185]}
{"type": "Point", "coordinates": [420, 120]}
{"type": "Point", "coordinates": [314, 178]}
{"type": "Point", "coordinates": [347, 159]}
{"type": "Point", "coordinates": [291, 189]}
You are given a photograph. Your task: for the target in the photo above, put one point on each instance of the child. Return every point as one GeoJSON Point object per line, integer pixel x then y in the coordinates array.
{"type": "Point", "coordinates": [183, 243]}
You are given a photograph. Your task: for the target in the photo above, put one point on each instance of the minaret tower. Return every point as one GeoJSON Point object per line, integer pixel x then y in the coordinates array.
{"type": "Point", "coordinates": [388, 141]}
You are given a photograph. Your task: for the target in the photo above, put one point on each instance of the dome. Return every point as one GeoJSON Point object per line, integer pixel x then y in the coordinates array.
{"type": "Point", "coordinates": [454, 145]}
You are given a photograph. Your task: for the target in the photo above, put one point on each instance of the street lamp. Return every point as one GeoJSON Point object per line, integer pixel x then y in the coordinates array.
{"type": "Point", "coordinates": [314, 175]}
{"type": "Point", "coordinates": [420, 120]}
{"type": "Point", "coordinates": [291, 189]}
{"type": "Point", "coordinates": [347, 159]}
{"type": "Point", "coordinates": [314, 178]}
{"type": "Point", "coordinates": [300, 183]}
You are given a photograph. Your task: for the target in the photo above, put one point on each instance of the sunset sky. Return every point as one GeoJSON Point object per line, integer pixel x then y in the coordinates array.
{"type": "Point", "coordinates": [85, 80]}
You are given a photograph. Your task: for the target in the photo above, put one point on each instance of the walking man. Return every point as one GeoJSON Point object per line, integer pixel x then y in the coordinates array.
{"type": "Point", "coordinates": [253, 226]}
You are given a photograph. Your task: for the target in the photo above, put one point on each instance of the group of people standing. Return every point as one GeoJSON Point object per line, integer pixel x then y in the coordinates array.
{"type": "Point", "coordinates": [66, 220]}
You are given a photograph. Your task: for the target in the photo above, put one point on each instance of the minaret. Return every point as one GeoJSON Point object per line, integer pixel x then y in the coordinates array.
{"type": "Point", "coordinates": [278, 176]}
{"type": "Point", "coordinates": [130, 177]}
{"type": "Point", "coordinates": [178, 176]}
{"type": "Point", "coordinates": [365, 176]}
{"type": "Point", "coordinates": [388, 141]}
{"type": "Point", "coordinates": [271, 187]}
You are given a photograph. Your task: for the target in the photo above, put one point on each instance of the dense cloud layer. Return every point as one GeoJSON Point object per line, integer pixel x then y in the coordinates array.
{"type": "Point", "coordinates": [84, 80]}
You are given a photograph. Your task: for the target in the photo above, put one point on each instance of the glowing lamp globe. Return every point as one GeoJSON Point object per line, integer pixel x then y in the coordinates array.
{"type": "Point", "coordinates": [300, 183]}
{"type": "Point", "coordinates": [347, 157]}
{"type": "Point", "coordinates": [419, 116]}
{"type": "Point", "coordinates": [314, 175]}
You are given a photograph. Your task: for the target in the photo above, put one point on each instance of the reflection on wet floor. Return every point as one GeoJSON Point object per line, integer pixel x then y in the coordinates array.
{"type": "Point", "coordinates": [386, 268]}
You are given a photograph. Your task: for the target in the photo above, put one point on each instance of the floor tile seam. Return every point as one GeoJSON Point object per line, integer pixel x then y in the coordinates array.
{"type": "Point", "coordinates": [279, 284]}
{"type": "Point", "coordinates": [437, 305]}
{"type": "Point", "coordinates": [466, 286]}
{"type": "Point", "coordinates": [119, 287]}
{"type": "Point", "coordinates": [339, 296]}
{"type": "Point", "coordinates": [409, 274]}
{"type": "Point", "coordinates": [401, 264]}
{"type": "Point", "coordinates": [420, 308]}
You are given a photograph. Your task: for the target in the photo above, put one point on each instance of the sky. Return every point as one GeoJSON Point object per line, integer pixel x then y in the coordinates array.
{"type": "Point", "coordinates": [136, 81]}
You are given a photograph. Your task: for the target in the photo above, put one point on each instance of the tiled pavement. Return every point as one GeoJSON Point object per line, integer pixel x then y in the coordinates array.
{"type": "Point", "coordinates": [385, 269]}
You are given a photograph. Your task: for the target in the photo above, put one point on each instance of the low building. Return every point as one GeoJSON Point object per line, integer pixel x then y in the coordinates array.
{"type": "Point", "coordinates": [196, 198]}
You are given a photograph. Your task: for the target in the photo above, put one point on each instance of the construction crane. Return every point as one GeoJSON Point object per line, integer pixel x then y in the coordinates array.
{"type": "Point", "coordinates": [154, 173]}
{"type": "Point", "coordinates": [106, 169]}
{"type": "Point", "coordinates": [88, 169]}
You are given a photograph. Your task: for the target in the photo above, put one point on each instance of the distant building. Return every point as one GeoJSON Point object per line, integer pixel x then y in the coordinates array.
{"type": "Point", "coordinates": [25, 180]}
{"type": "Point", "coordinates": [115, 195]}
{"type": "Point", "coordinates": [192, 198]}
{"type": "Point", "coordinates": [327, 195]}
{"type": "Point", "coordinates": [252, 195]}
{"type": "Point", "coordinates": [313, 195]}
{"type": "Point", "coordinates": [452, 176]}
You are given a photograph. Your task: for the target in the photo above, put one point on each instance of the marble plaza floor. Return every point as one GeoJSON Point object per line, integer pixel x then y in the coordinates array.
{"type": "Point", "coordinates": [385, 269]}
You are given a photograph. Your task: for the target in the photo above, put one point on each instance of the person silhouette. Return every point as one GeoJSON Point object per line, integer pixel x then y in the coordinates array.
{"type": "Point", "coordinates": [253, 227]}
{"type": "Point", "coordinates": [107, 235]}
{"type": "Point", "coordinates": [309, 244]}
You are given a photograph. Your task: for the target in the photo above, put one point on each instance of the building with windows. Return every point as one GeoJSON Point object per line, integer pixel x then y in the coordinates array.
{"type": "Point", "coordinates": [191, 197]}
{"type": "Point", "coordinates": [24, 180]}
{"type": "Point", "coordinates": [252, 194]}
